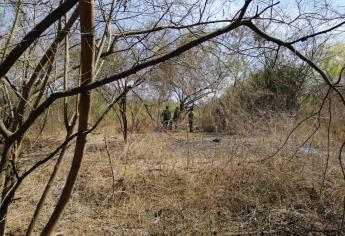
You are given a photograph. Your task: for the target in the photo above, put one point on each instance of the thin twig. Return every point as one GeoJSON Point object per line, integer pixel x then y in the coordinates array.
{"type": "Point", "coordinates": [110, 163]}
{"type": "Point", "coordinates": [328, 143]}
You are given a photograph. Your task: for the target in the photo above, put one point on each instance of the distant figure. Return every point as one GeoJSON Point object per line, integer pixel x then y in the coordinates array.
{"type": "Point", "coordinates": [191, 119]}
{"type": "Point", "coordinates": [176, 117]}
{"type": "Point", "coordinates": [166, 117]}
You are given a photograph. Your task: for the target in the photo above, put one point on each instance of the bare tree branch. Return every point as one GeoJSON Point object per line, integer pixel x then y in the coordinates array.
{"type": "Point", "coordinates": [34, 34]}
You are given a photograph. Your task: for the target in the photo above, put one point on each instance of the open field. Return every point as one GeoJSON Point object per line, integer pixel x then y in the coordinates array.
{"type": "Point", "coordinates": [187, 184]}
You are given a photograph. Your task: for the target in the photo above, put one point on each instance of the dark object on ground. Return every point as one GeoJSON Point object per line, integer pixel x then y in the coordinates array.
{"type": "Point", "coordinates": [216, 140]}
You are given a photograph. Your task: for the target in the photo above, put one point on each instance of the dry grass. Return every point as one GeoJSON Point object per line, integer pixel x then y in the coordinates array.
{"type": "Point", "coordinates": [189, 185]}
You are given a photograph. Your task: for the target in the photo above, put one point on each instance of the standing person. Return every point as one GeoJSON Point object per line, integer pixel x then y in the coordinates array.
{"type": "Point", "coordinates": [176, 117]}
{"type": "Point", "coordinates": [191, 120]}
{"type": "Point", "coordinates": [166, 117]}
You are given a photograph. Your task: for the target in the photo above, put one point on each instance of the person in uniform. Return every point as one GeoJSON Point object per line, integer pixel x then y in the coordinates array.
{"type": "Point", "coordinates": [176, 118]}
{"type": "Point", "coordinates": [166, 116]}
{"type": "Point", "coordinates": [191, 120]}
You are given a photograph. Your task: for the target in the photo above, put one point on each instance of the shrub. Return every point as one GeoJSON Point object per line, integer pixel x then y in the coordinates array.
{"type": "Point", "coordinates": [273, 88]}
{"type": "Point", "coordinates": [268, 93]}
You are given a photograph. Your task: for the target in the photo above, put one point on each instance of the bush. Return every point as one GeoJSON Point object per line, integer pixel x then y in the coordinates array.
{"type": "Point", "coordinates": [276, 89]}
{"type": "Point", "coordinates": [268, 94]}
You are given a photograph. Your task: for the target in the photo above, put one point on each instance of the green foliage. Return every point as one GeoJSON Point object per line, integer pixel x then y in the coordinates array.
{"type": "Point", "coordinates": [112, 64]}
{"type": "Point", "coordinates": [334, 60]}
{"type": "Point", "coordinates": [273, 88]}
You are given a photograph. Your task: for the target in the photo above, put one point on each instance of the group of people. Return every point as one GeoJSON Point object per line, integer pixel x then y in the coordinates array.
{"type": "Point", "coordinates": [169, 123]}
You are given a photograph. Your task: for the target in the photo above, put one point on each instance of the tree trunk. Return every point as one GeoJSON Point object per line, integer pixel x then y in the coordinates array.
{"type": "Point", "coordinates": [6, 183]}
{"type": "Point", "coordinates": [123, 110]}
{"type": "Point", "coordinates": [87, 71]}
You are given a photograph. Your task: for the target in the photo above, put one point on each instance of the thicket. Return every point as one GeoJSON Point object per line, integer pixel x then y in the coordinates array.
{"type": "Point", "coordinates": [266, 93]}
{"type": "Point", "coordinates": [273, 89]}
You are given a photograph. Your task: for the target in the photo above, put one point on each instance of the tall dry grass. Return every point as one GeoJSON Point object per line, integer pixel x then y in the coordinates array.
{"type": "Point", "coordinates": [187, 184]}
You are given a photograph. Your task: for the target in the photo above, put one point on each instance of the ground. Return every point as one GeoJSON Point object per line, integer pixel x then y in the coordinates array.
{"type": "Point", "coordinates": [187, 184]}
